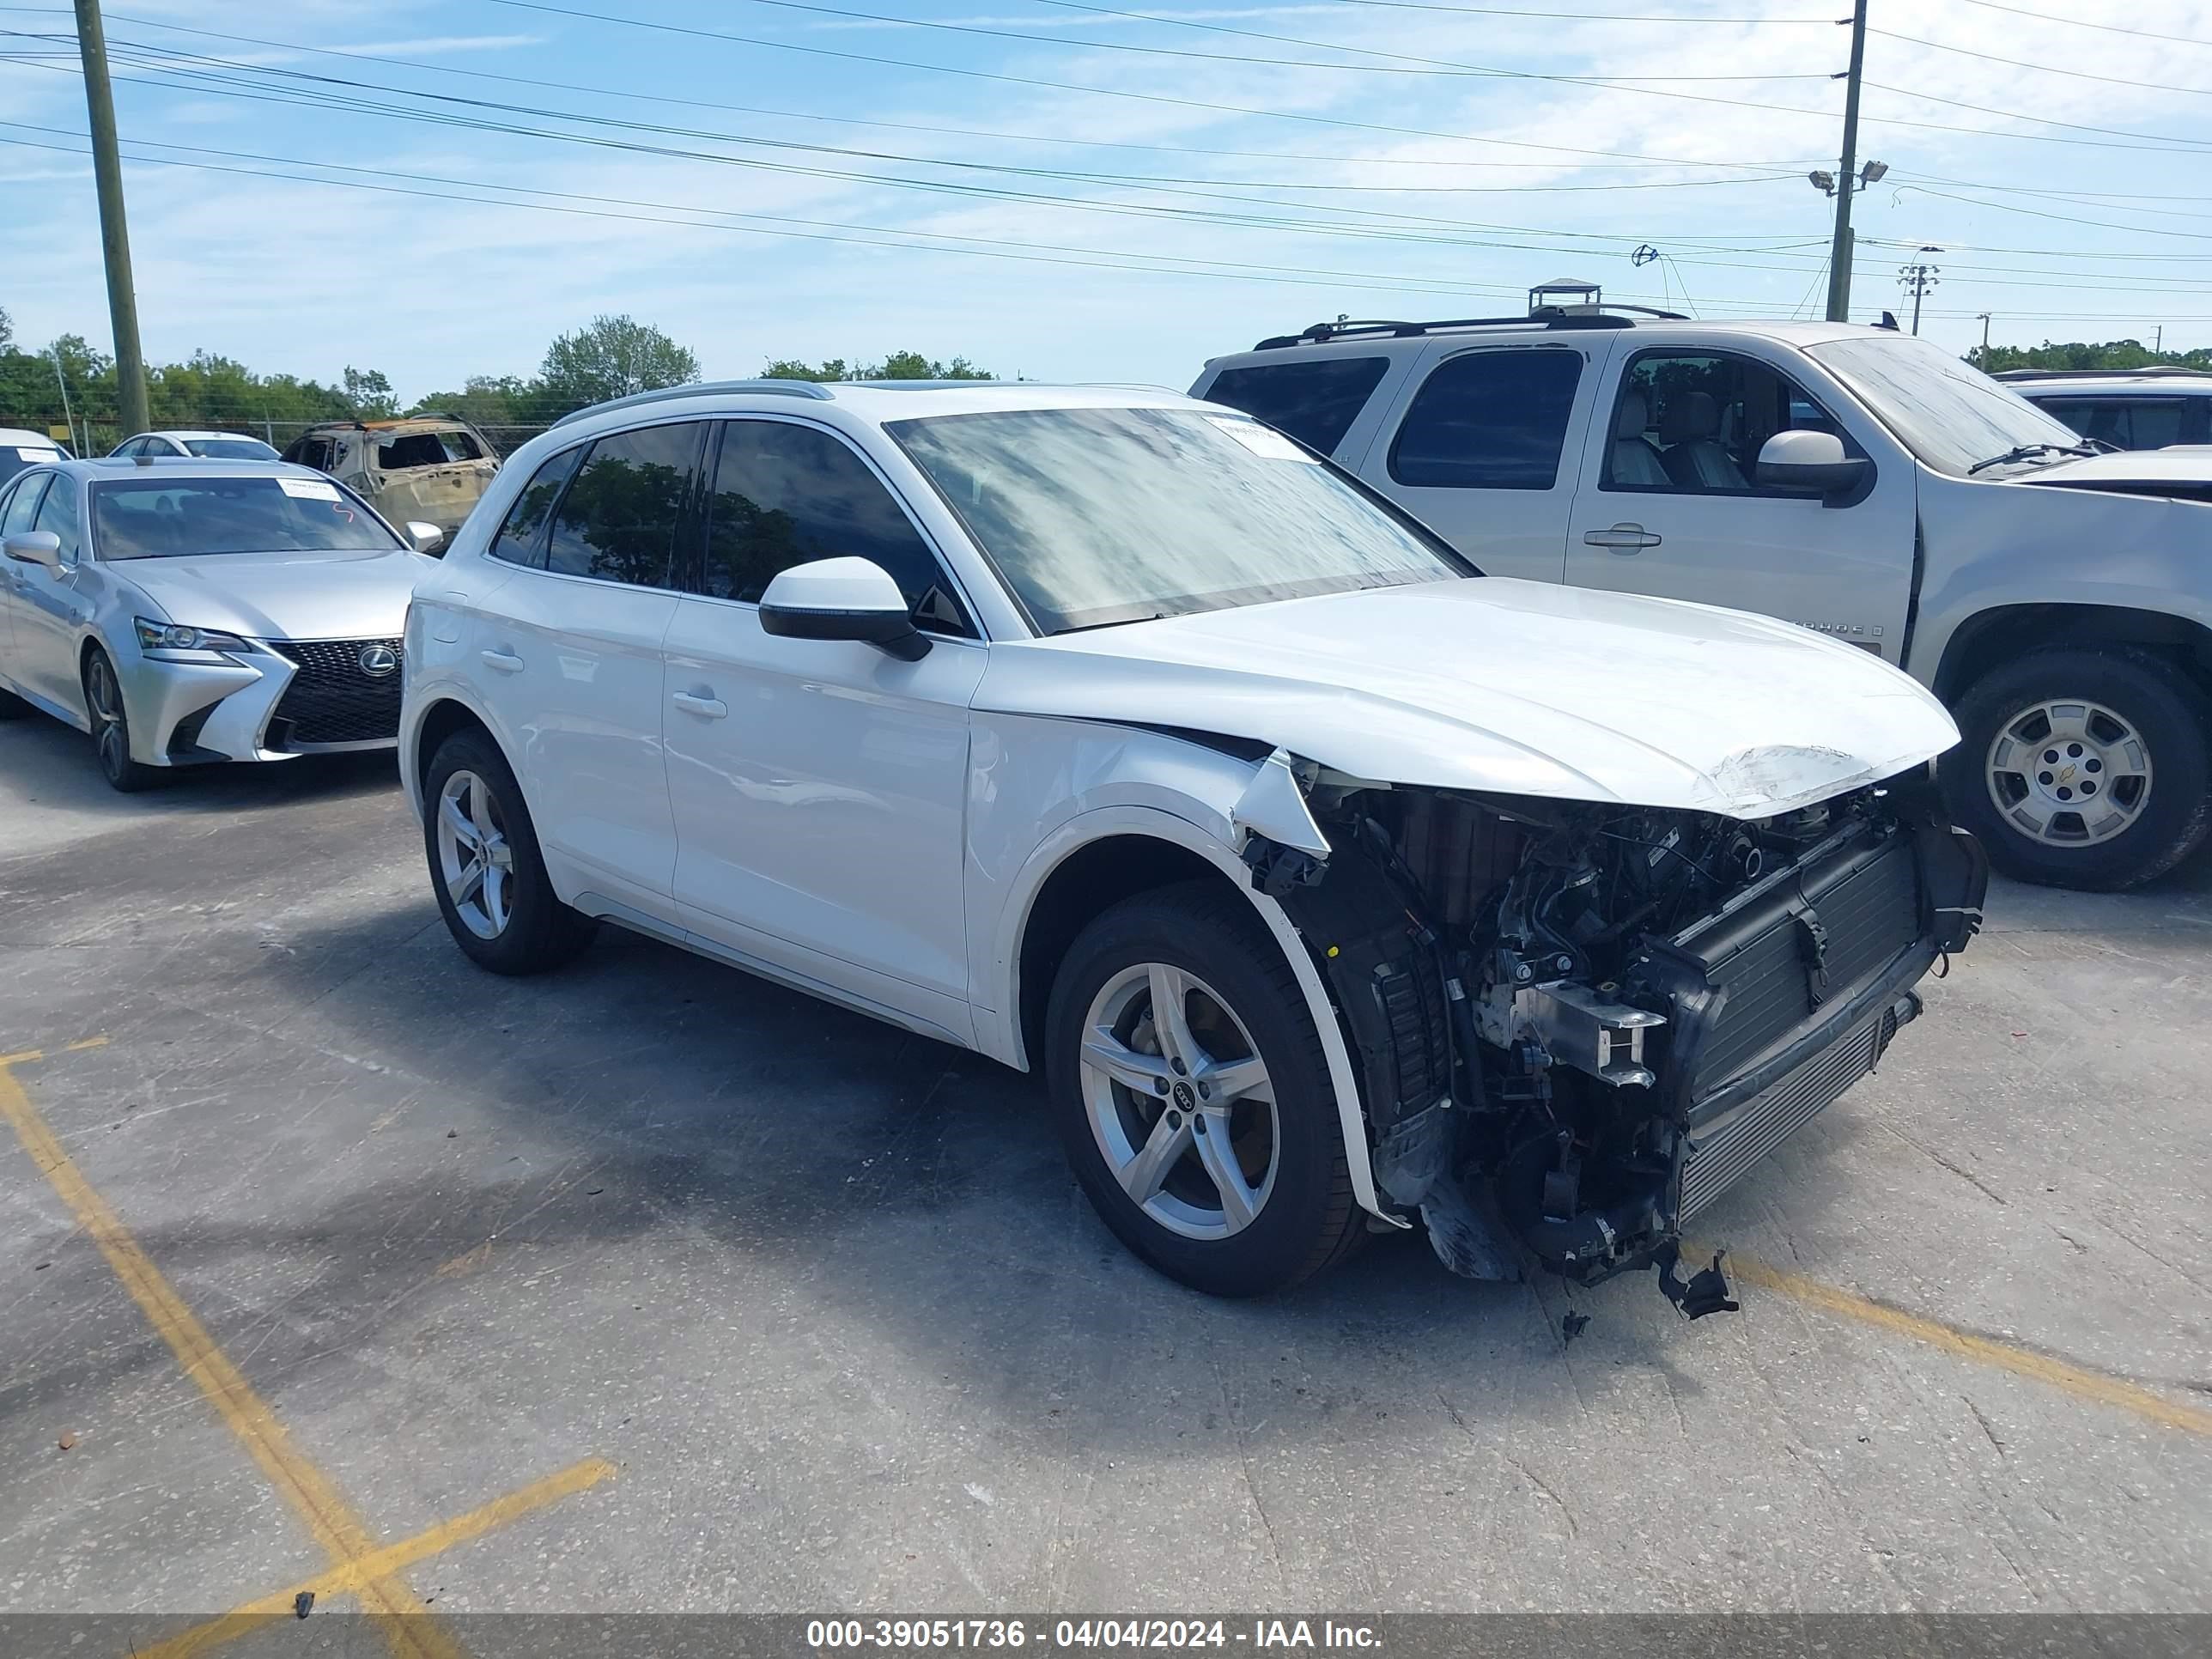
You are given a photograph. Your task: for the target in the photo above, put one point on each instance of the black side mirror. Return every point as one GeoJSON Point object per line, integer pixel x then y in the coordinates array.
{"type": "Point", "coordinates": [843, 599]}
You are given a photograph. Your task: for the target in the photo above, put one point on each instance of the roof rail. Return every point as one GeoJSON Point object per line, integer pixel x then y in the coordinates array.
{"type": "Point", "coordinates": [2182, 369]}
{"type": "Point", "coordinates": [704, 389]}
{"type": "Point", "coordinates": [1544, 317]}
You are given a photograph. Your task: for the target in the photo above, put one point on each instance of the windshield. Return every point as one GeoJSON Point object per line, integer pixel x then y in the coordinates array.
{"type": "Point", "coordinates": [1945, 410]}
{"type": "Point", "coordinates": [231, 449]}
{"type": "Point", "coordinates": [174, 518]}
{"type": "Point", "coordinates": [1097, 516]}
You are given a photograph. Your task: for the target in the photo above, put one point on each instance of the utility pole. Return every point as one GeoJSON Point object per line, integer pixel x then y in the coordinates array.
{"type": "Point", "coordinates": [1839, 257]}
{"type": "Point", "coordinates": [1917, 280]}
{"type": "Point", "coordinates": [114, 236]}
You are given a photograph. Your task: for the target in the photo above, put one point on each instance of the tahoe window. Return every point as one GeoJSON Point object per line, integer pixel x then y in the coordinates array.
{"type": "Point", "coordinates": [1489, 420]}
{"type": "Point", "coordinates": [163, 516]}
{"type": "Point", "coordinates": [2134, 423]}
{"type": "Point", "coordinates": [518, 539]}
{"type": "Point", "coordinates": [786, 494]}
{"type": "Point", "coordinates": [1097, 516]}
{"type": "Point", "coordinates": [619, 518]}
{"type": "Point", "coordinates": [1314, 401]}
{"type": "Point", "coordinates": [1695, 421]}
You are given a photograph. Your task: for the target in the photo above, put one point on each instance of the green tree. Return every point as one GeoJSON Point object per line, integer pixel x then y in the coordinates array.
{"type": "Point", "coordinates": [610, 357]}
{"type": "Point", "coordinates": [368, 395]}
{"type": "Point", "coordinates": [7, 331]}
{"type": "Point", "coordinates": [898, 366]}
{"type": "Point", "coordinates": [2082, 354]}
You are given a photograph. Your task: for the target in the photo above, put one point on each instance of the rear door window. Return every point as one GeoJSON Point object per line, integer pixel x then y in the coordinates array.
{"type": "Point", "coordinates": [521, 537]}
{"type": "Point", "coordinates": [1316, 400]}
{"type": "Point", "coordinates": [620, 518]}
{"type": "Point", "coordinates": [1489, 420]}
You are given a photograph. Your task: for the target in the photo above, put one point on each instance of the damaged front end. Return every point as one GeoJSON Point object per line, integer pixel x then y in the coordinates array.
{"type": "Point", "coordinates": [1579, 1024]}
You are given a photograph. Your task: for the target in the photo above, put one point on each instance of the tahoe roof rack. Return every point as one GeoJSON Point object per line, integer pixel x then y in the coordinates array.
{"type": "Point", "coordinates": [1612, 316]}
{"type": "Point", "coordinates": [704, 389]}
{"type": "Point", "coordinates": [2161, 369]}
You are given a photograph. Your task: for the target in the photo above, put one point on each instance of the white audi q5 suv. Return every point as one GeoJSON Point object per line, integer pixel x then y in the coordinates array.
{"type": "Point", "coordinates": [1331, 885]}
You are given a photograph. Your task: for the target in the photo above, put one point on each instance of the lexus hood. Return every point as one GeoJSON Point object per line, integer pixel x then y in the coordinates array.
{"type": "Point", "coordinates": [1507, 687]}
{"type": "Point", "coordinates": [282, 596]}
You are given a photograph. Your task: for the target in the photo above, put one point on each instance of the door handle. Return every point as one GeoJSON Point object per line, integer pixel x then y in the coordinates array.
{"type": "Point", "coordinates": [1621, 538]}
{"type": "Point", "coordinates": [506, 661]}
{"type": "Point", "coordinates": [713, 708]}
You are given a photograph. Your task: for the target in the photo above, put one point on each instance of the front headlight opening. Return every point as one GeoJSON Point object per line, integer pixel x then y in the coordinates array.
{"type": "Point", "coordinates": [177, 637]}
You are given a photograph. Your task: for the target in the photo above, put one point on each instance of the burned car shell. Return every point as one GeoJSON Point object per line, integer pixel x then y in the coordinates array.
{"type": "Point", "coordinates": [407, 469]}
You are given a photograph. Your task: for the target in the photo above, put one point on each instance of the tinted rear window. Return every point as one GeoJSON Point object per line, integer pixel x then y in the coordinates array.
{"type": "Point", "coordinates": [1489, 420]}
{"type": "Point", "coordinates": [1314, 401]}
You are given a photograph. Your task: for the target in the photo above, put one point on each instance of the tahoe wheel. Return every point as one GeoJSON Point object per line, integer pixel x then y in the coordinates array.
{"type": "Point", "coordinates": [2081, 768]}
{"type": "Point", "coordinates": [1192, 1094]}
{"type": "Point", "coordinates": [486, 868]}
{"type": "Point", "coordinates": [110, 724]}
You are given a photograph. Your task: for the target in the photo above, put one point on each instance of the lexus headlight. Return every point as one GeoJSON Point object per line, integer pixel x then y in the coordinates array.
{"type": "Point", "coordinates": [175, 636]}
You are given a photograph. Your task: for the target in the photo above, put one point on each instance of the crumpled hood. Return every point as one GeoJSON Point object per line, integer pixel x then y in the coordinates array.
{"type": "Point", "coordinates": [284, 595]}
{"type": "Point", "coordinates": [1506, 686]}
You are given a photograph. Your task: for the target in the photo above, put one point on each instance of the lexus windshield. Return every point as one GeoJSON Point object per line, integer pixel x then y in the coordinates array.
{"type": "Point", "coordinates": [161, 517]}
{"type": "Point", "coordinates": [1099, 516]}
{"type": "Point", "coordinates": [1945, 410]}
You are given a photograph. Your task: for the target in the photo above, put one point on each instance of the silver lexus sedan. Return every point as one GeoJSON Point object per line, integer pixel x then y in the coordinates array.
{"type": "Point", "coordinates": [185, 611]}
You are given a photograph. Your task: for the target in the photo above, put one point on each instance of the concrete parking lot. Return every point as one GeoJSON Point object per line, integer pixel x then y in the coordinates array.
{"type": "Point", "coordinates": [327, 1260]}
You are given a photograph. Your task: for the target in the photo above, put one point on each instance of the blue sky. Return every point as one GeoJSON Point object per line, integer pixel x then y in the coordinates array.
{"type": "Point", "coordinates": [1080, 192]}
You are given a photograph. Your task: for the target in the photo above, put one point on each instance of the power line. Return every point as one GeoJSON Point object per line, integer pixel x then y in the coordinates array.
{"type": "Point", "coordinates": [912, 126]}
{"type": "Point", "coordinates": [2020, 63]}
{"type": "Point", "coordinates": [2084, 23]}
{"type": "Point", "coordinates": [220, 85]}
{"type": "Point", "coordinates": [1578, 16]}
{"type": "Point", "coordinates": [2160, 146]}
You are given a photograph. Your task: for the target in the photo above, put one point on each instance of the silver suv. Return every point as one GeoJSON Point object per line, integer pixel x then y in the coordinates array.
{"type": "Point", "coordinates": [2127, 408]}
{"type": "Point", "coordinates": [1857, 481]}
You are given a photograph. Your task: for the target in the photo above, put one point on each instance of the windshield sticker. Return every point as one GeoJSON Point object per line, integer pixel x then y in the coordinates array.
{"type": "Point", "coordinates": [1264, 441]}
{"type": "Point", "coordinates": [34, 456]}
{"type": "Point", "coordinates": [308, 489]}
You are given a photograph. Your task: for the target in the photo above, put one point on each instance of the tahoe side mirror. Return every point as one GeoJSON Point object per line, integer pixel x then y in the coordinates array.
{"type": "Point", "coordinates": [424, 538]}
{"type": "Point", "coordinates": [36, 547]}
{"type": "Point", "coordinates": [1811, 461]}
{"type": "Point", "coordinates": [843, 599]}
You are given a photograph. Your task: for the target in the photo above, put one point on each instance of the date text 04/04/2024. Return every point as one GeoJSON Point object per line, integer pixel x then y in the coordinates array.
{"type": "Point", "coordinates": [1073, 1635]}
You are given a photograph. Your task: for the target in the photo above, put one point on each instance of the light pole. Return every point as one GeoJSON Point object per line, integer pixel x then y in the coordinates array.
{"type": "Point", "coordinates": [1983, 316]}
{"type": "Point", "coordinates": [1839, 255]}
{"type": "Point", "coordinates": [1843, 188]}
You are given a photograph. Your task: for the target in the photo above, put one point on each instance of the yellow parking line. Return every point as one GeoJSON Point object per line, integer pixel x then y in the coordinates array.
{"type": "Point", "coordinates": [22, 1055]}
{"type": "Point", "coordinates": [353, 1575]}
{"type": "Point", "coordinates": [343, 1536]}
{"type": "Point", "coordinates": [2080, 1383]}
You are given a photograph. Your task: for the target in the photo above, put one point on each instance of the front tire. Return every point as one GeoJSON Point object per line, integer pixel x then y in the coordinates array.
{"type": "Point", "coordinates": [1208, 1141]}
{"type": "Point", "coordinates": [111, 725]}
{"type": "Point", "coordinates": [486, 867]}
{"type": "Point", "coordinates": [2081, 768]}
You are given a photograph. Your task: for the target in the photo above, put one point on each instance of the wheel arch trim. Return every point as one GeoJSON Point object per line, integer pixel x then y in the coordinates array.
{"type": "Point", "coordinates": [999, 1031]}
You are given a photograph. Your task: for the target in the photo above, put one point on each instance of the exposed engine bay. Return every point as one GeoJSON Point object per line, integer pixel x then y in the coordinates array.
{"type": "Point", "coordinates": [1579, 1024]}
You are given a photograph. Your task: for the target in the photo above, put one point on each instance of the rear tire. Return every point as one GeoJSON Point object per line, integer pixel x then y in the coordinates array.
{"type": "Point", "coordinates": [1216, 1153]}
{"type": "Point", "coordinates": [111, 725]}
{"type": "Point", "coordinates": [2081, 768]}
{"type": "Point", "coordinates": [486, 867]}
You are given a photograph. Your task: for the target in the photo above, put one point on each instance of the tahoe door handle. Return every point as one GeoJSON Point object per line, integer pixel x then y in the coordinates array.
{"type": "Point", "coordinates": [1621, 538]}
{"type": "Point", "coordinates": [713, 708]}
{"type": "Point", "coordinates": [506, 661]}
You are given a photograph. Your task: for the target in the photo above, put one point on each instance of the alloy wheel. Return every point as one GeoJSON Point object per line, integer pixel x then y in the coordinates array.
{"type": "Point", "coordinates": [2070, 773]}
{"type": "Point", "coordinates": [475, 860]}
{"type": "Point", "coordinates": [111, 730]}
{"type": "Point", "coordinates": [1179, 1101]}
